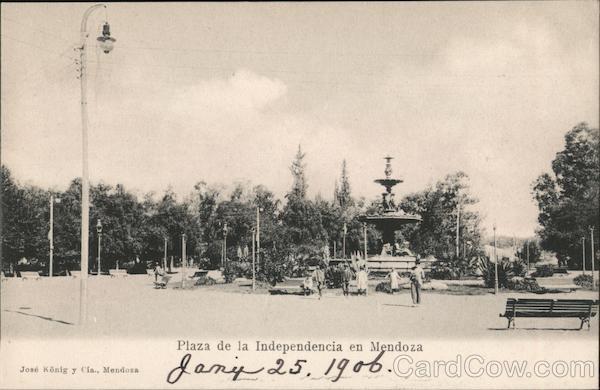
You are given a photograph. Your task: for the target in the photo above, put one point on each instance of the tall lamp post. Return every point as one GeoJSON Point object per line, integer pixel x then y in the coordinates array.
{"type": "Point", "coordinates": [583, 254]}
{"type": "Point", "coordinates": [365, 238]}
{"type": "Point", "coordinates": [258, 210]}
{"type": "Point", "coordinates": [183, 260]}
{"type": "Point", "coordinates": [527, 255]}
{"type": "Point", "coordinates": [99, 231]}
{"type": "Point", "coordinates": [593, 258]}
{"type": "Point", "coordinates": [344, 241]}
{"type": "Point", "coordinates": [51, 233]}
{"type": "Point", "coordinates": [253, 259]}
{"type": "Point", "coordinates": [224, 245]}
{"type": "Point", "coordinates": [165, 256]}
{"type": "Point", "coordinates": [106, 43]}
{"type": "Point", "coordinates": [458, 230]}
{"type": "Point", "coordinates": [495, 264]}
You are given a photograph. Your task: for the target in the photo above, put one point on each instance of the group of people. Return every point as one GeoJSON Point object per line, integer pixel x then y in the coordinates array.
{"type": "Point", "coordinates": [417, 275]}
{"type": "Point", "coordinates": [317, 280]}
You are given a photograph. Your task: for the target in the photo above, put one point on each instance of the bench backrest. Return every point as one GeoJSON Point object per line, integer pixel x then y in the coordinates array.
{"type": "Point", "coordinates": [554, 306]}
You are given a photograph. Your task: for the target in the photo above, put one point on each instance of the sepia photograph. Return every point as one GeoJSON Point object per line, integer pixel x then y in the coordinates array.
{"type": "Point", "coordinates": [300, 195]}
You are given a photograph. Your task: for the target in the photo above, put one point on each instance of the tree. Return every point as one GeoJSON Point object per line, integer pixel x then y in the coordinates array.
{"type": "Point", "coordinates": [531, 247]}
{"type": "Point", "coordinates": [300, 186]}
{"type": "Point", "coordinates": [25, 221]}
{"type": "Point", "coordinates": [568, 198]}
{"type": "Point", "coordinates": [343, 195]}
{"type": "Point", "coordinates": [436, 233]}
{"type": "Point", "coordinates": [301, 218]}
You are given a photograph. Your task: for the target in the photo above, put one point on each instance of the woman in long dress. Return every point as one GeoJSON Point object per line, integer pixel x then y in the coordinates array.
{"type": "Point", "coordinates": [361, 281]}
{"type": "Point", "coordinates": [394, 283]}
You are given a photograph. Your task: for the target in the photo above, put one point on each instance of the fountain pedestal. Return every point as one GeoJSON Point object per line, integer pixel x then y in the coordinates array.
{"type": "Point", "coordinates": [387, 222]}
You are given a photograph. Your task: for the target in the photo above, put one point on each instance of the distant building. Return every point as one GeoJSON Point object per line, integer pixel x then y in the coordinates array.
{"type": "Point", "coordinates": [508, 253]}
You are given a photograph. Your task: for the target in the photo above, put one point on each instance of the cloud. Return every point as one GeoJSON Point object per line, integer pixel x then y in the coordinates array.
{"type": "Point", "coordinates": [244, 93]}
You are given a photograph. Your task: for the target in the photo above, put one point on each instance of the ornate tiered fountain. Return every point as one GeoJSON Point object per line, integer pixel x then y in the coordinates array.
{"type": "Point", "coordinates": [393, 255]}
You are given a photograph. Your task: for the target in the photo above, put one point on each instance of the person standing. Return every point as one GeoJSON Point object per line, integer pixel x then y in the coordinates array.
{"type": "Point", "coordinates": [416, 277]}
{"type": "Point", "coordinates": [319, 276]}
{"type": "Point", "coordinates": [394, 282]}
{"type": "Point", "coordinates": [347, 276]}
{"type": "Point", "coordinates": [157, 271]}
{"type": "Point", "coordinates": [362, 281]}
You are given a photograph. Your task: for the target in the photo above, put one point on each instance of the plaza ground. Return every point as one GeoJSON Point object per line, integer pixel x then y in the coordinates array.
{"type": "Point", "coordinates": [129, 307]}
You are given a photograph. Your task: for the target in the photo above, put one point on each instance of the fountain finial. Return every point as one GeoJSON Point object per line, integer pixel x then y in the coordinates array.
{"type": "Point", "coordinates": [388, 166]}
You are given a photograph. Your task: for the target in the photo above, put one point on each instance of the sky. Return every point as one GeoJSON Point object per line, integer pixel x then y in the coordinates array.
{"type": "Point", "coordinates": [225, 93]}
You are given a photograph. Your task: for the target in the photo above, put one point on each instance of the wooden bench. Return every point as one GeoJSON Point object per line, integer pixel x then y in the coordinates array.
{"type": "Point", "coordinates": [584, 309]}
{"type": "Point", "coordinates": [29, 275]}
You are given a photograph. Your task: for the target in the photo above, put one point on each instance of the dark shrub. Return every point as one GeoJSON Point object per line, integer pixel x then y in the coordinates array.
{"type": "Point", "coordinates": [519, 268]}
{"type": "Point", "coordinates": [383, 287]}
{"type": "Point", "coordinates": [488, 271]}
{"type": "Point", "coordinates": [205, 281]}
{"type": "Point", "coordinates": [518, 283]}
{"type": "Point", "coordinates": [237, 269]}
{"type": "Point", "coordinates": [585, 281]}
{"type": "Point", "coordinates": [441, 272]}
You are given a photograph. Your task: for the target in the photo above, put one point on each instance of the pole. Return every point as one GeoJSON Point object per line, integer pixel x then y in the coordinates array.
{"type": "Point", "coordinates": [85, 182]}
{"type": "Point", "coordinates": [253, 260]}
{"type": "Point", "coordinates": [51, 234]}
{"type": "Point", "coordinates": [583, 253]}
{"type": "Point", "coordinates": [165, 255]}
{"type": "Point", "coordinates": [593, 258]}
{"type": "Point", "coordinates": [527, 255]}
{"type": "Point", "coordinates": [365, 238]}
{"type": "Point", "coordinates": [225, 248]}
{"type": "Point", "coordinates": [258, 237]}
{"type": "Point", "coordinates": [334, 250]}
{"type": "Point", "coordinates": [458, 230]}
{"type": "Point", "coordinates": [344, 243]}
{"type": "Point", "coordinates": [495, 264]}
{"type": "Point", "coordinates": [99, 241]}
{"type": "Point", "coordinates": [183, 260]}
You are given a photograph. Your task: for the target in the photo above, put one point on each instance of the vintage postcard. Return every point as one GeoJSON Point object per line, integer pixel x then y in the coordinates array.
{"type": "Point", "coordinates": [300, 195]}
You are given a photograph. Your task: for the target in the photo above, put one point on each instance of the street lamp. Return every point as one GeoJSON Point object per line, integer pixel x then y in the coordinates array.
{"type": "Point", "coordinates": [224, 252]}
{"type": "Point", "coordinates": [495, 264]}
{"type": "Point", "coordinates": [106, 43]}
{"type": "Point", "coordinates": [365, 238]}
{"type": "Point", "coordinates": [165, 256]}
{"type": "Point", "coordinates": [593, 257]}
{"type": "Point", "coordinates": [183, 260]}
{"type": "Point", "coordinates": [51, 232]}
{"type": "Point", "coordinates": [344, 242]}
{"type": "Point", "coordinates": [253, 259]}
{"type": "Point", "coordinates": [583, 254]}
{"type": "Point", "coordinates": [258, 211]}
{"type": "Point", "coordinates": [99, 231]}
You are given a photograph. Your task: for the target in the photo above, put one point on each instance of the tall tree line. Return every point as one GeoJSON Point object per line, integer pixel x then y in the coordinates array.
{"type": "Point", "coordinates": [294, 231]}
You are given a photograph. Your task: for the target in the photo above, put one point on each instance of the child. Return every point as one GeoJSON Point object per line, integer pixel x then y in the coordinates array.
{"type": "Point", "coordinates": [307, 285]}
{"type": "Point", "coordinates": [361, 281]}
{"type": "Point", "coordinates": [393, 276]}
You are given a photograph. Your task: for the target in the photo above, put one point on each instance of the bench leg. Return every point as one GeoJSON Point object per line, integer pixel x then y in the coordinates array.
{"type": "Point", "coordinates": [584, 321]}
{"type": "Point", "coordinates": [511, 320]}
